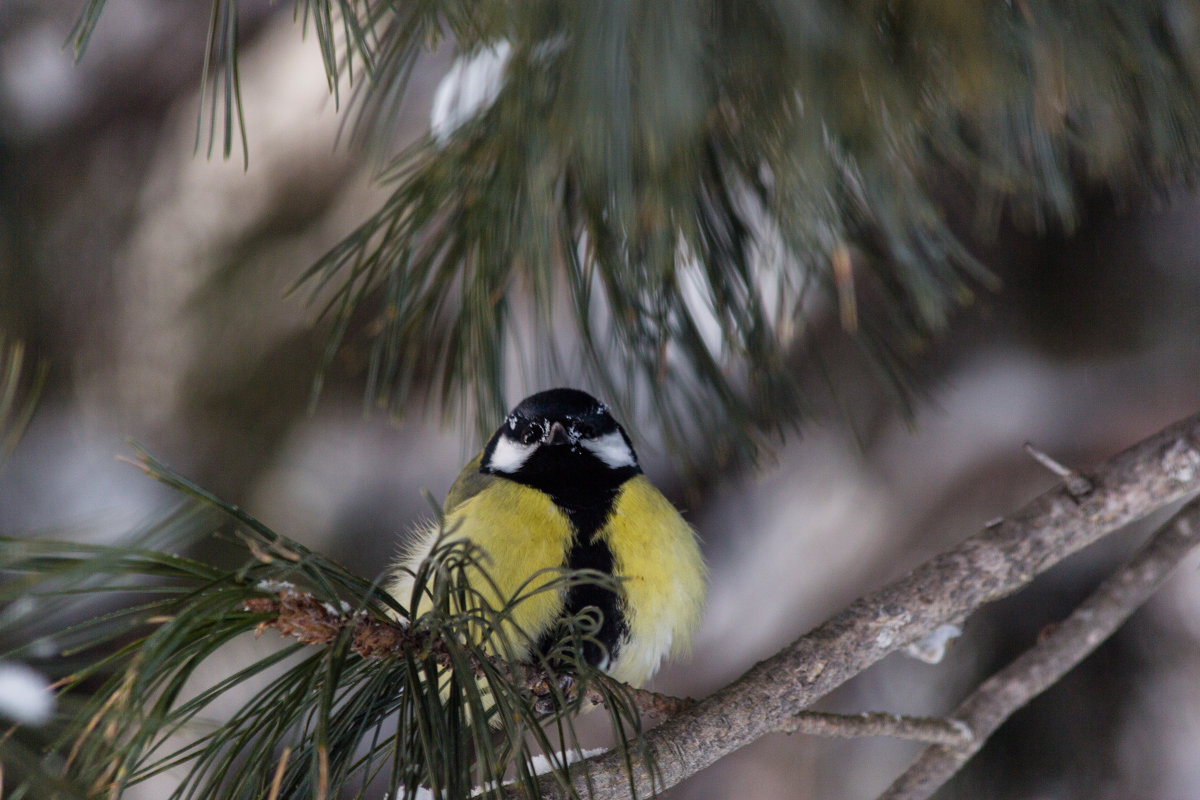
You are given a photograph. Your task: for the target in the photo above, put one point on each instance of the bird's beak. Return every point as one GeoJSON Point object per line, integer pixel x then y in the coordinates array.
{"type": "Point", "coordinates": [557, 435]}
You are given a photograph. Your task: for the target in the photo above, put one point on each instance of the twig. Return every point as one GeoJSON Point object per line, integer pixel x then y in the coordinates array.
{"type": "Point", "coordinates": [935, 730]}
{"type": "Point", "coordinates": [843, 279]}
{"type": "Point", "coordinates": [647, 702]}
{"type": "Point", "coordinates": [1052, 657]}
{"type": "Point", "coordinates": [301, 616]}
{"type": "Point", "coordinates": [995, 562]}
{"type": "Point", "coordinates": [1078, 485]}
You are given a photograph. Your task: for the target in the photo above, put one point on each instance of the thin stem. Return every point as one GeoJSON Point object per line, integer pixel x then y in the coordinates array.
{"type": "Point", "coordinates": [935, 730]}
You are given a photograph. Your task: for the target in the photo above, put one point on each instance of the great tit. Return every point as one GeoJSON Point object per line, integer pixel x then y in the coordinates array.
{"type": "Point", "coordinates": [559, 486]}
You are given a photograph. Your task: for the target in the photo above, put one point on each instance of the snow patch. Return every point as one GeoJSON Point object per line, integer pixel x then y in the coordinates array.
{"type": "Point", "coordinates": [25, 695]}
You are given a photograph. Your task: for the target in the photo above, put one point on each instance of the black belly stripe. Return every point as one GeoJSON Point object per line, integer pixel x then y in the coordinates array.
{"type": "Point", "coordinates": [590, 552]}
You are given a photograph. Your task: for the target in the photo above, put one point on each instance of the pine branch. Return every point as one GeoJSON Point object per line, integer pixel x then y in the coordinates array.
{"type": "Point", "coordinates": [301, 616]}
{"type": "Point", "coordinates": [687, 174]}
{"type": "Point", "coordinates": [658, 195]}
{"type": "Point", "coordinates": [411, 715]}
{"type": "Point", "coordinates": [995, 562]}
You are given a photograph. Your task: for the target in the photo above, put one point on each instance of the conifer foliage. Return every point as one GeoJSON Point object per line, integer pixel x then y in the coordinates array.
{"type": "Point", "coordinates": [140, 644]}
{"type": "Point", "coordinates": [664, 194]}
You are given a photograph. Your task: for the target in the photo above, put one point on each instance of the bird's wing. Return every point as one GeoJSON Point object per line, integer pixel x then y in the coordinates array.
{"type": "Point", "coordinates": [469, 483]}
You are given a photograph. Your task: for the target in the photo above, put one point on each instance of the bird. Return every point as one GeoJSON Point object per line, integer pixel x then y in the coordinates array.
{"type": "Point", "coordinates": [558, 485]}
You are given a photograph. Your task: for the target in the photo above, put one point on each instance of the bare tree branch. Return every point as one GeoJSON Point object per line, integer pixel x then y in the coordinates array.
{"type": "Point", "coordinates": [1044, 664]}
{"type": "Point", "coordinates": [995, 562]}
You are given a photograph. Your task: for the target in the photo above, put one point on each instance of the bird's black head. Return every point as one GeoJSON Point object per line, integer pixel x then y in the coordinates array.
{"type": "Point", "coordinates": [565, 443]}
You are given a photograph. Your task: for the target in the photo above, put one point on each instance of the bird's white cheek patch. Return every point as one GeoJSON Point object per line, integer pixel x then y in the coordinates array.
{"type": "Point", "coordinates": [509, 456]}
{"type": "Point", "coordinates": [611, 449]}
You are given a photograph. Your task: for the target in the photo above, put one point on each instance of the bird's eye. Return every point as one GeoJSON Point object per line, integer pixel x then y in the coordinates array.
{"type": "Point", "coordinates": [533, 433]}
{"type": "Point", "coordinates": [586, 430]}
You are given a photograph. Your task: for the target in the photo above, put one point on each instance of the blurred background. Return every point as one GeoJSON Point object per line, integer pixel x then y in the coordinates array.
{"type": "Point", "coordinates": [152, 280]}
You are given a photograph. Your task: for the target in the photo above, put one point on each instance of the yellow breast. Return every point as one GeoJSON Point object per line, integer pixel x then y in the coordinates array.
{"type": "Point", "coordinates": [657, 558]}
{"type": "Point", "coordinates": [521, 532]}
